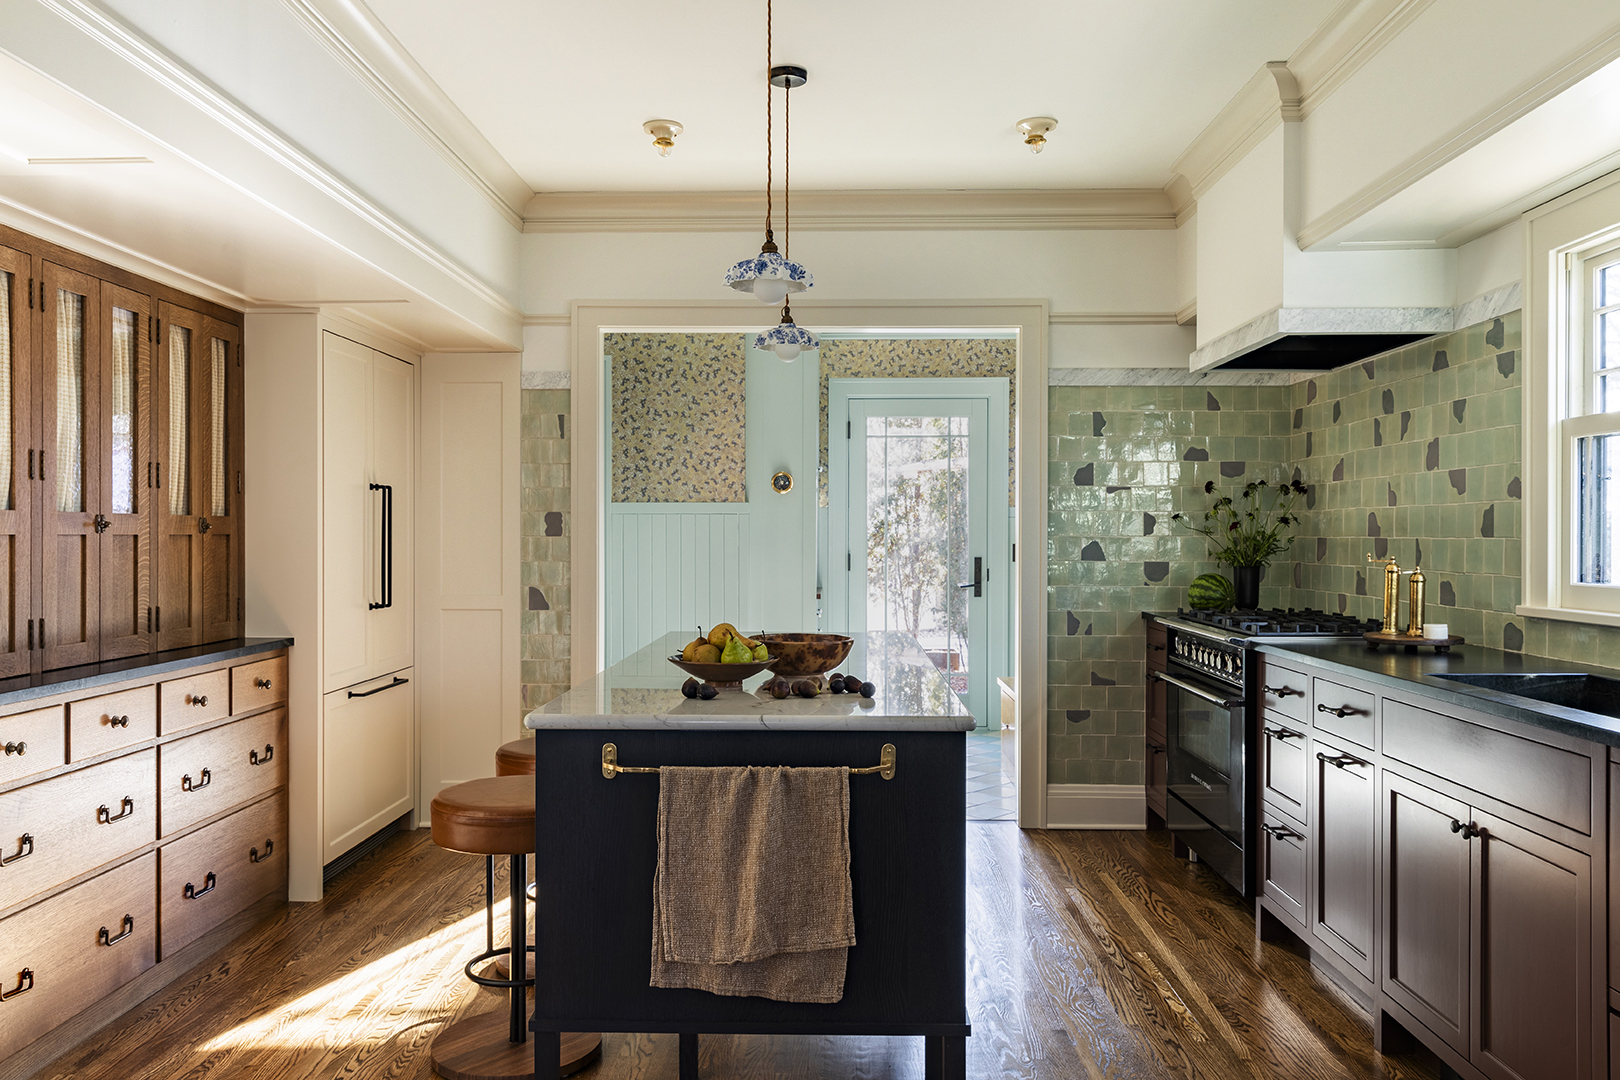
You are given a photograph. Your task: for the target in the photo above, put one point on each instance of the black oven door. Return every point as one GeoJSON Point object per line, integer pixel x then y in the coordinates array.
{"type": "Point", "coordinates": [1205, 724]}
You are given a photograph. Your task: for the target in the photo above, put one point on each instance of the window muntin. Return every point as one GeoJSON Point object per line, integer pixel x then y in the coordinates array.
{"type": "Point", "coordinates": [1591, 433]}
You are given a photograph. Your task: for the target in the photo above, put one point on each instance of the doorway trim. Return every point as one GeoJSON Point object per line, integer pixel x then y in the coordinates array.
{"type": "Point", "coordinates": [591, 319]}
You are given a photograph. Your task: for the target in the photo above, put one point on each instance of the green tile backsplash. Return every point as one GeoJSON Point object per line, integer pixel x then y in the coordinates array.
{"type": "Point", "coordinates": [545, 531]}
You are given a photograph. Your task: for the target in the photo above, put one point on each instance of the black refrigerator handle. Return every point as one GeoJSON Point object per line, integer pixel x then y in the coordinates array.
{"type": "Point", "coordinates": [386, 569]}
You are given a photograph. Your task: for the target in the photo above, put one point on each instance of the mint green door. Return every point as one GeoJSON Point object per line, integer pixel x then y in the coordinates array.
{"type": "Point", "coordinates": [918, 513]}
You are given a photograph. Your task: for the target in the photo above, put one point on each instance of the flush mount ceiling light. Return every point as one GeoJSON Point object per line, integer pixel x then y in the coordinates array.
{"type": "Point", "coordinates": [1035, 129]}
{"type": "Point", "coordinates": [769, 276]}
{"type": "Point", "coordinates": [663, 133]}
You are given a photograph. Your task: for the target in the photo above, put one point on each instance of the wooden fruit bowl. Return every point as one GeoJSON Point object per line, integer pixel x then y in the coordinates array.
{"type": "Point", "coordinates": [724, 676]}
{"type": "Point", "coordinates": [806, 654]}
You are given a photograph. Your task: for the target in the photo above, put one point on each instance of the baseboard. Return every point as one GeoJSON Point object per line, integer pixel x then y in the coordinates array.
{"type": "Point", "coordinates": [1096, 806]}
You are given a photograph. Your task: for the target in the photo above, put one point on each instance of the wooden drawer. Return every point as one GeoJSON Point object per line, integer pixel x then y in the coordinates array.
{"type": "Point", "coordinates": [1284, 771]}
{"type": "Point", "coordinates": [1155, 646]}
{"type": "Point", "coordinates": [1344, 711]}
{"type": "Point", "coordinates": [32, 742]}
{"type": "Point", "coordinates": [195, 699]}
{"type": "Point", "coordinates": [1285, 873]}
{"type": "Point", "coordinates": [71, 824]}
{"type": "Point", "coordinates": [59, 942]}
{"type": "Point", "coordinates": [99, 725]}
{"type": "Point", "coordinates": [1284, 690]}
{"type": "Point", "coordinates": [253, 686]}
{"type": "Point", "coordinates": [213, 873]}
{"type": "Point", "coordinates": [206, 774]}
{"type": "Point", "coordinates": [1544, 780]}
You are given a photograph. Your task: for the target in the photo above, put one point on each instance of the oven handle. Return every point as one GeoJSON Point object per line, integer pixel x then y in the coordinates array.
{"type": "Point", "coordinates": [1225, 703]}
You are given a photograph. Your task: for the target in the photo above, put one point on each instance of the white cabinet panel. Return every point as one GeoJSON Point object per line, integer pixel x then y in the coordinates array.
{"type": "Point", "coordinates": [346, 509]}
{"type": "Point", "coordinates": [393, 427]}
{"type": "Point", "coordinates": [368, 768]}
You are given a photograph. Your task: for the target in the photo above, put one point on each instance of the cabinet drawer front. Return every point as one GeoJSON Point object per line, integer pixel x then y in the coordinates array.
{"type": "Point", "coordinates": [70, 824]}
{"type": "Point", "coordinates": [1284, 773]}
{"type": "Point", "coordinates": [1284, 867]}
{"type": "Point", "coordinates": [1544, 780]}
{"type": "Point", "coordinates": [368, 781]}
{"type": "Point", "coordinates": [253, 686]}
{"type": "Point", "coordinates": [32, 742]}
{"type": "Point", "coordinates": [1344, 711]}
{"type": "Point", "coordinates": [195, 700]}
{"type": "Point", "coordinates": [1344, 816]}
{"type": "Point", "coordinates": [59, 942]}
{"type": "Point", "coordinates": [212, 874]}
{"type": "Point", "coordinates": [208, 773]}
{"type": "Point", "coordinates": [111, 722]}
{"type": "Point", "coordinates": [1284, 690]}
{"type": "Point", "coordinates": [1156, 641]}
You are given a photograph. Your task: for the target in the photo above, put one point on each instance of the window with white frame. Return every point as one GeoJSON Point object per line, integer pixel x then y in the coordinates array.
{"type": "Point", "coordinates": [1591, 431]}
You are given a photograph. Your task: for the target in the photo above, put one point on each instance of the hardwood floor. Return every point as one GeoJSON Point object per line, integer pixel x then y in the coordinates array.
{"type": "Point", "coordinates": [1090, 955]}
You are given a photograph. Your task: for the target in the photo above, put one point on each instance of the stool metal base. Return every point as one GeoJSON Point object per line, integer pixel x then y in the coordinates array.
{"type": "Point", "coordinates": [477, 1049]}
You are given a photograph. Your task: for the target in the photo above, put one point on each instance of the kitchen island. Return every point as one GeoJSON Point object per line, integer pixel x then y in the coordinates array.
{"type": "Point", "coordinates": [596, 848]}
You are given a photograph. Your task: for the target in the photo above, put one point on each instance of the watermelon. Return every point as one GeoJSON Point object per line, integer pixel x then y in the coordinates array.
{"type": "Point", "coordinates": [1211, 592]}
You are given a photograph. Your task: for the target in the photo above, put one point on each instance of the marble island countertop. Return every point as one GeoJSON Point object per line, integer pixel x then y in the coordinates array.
{"type": "Point", "coordinates": [644, 691]}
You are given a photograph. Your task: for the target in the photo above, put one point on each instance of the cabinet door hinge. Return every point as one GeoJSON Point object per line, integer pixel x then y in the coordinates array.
{"type": "Point", "coordinates": [157, 620]}
{"type": "Point", "coordinates": [30, 463]}
{"type": "Point", "coordinates": [849, 561]}
{"type": "Point", "coordinates": [159, 338]}
{"type": "Point", "coordinates": [42, 308]}
{"type": "Point", "coordinates": [30, 308]}
{"type": "Point", "coordinates": [30, 621]}
{"type": "Point", "coordinates": [847, 425]}
{"type": "Point", "coordinates": [239, 481]}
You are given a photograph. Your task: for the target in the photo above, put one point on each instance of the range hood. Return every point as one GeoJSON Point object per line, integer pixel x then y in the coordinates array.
{"type": "Point", "coordinates": [1319, 339]}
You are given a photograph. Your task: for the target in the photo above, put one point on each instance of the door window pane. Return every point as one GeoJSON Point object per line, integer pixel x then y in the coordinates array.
{"type": "Point", "coordinates": [6, 432]}
{"type": "Point", "coordinates": [124, 410]}
{"type": "Point", "coordinates": [216, 428]}
{"type": "Point", "coordinates": [69, 402]}
{"type": "Point", "coordinates": [1598, 525]}
{"type": "Point", "coordinates": [179, 420]}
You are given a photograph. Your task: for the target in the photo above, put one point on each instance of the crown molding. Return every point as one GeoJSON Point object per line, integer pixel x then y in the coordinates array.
{"type": "Point", "coordinates": [1113, 318]}
{"type": "Point", "coordinates": [352, 33]}
{"type": "Point", "coordinates": [838, 211]}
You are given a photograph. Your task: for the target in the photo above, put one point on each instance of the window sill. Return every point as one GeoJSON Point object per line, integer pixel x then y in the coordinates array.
{"type": "Point", "coordinates": [1595, 618]}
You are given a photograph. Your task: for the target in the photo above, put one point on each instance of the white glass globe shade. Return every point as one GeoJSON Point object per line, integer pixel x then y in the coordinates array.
{"type": "Point", "coordinates": [770, 290]}
{"type": "Point", "coordinates": [786, 350]}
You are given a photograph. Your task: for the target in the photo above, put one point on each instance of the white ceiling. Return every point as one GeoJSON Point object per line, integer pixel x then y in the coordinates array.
{"type": "Point", "coordinates": [902, 93]}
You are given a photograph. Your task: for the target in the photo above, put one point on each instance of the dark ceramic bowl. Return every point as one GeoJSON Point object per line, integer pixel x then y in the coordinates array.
{"type": "Point", "coordinates": [723, 675]}
{"type": "Point", "coordinates": [807, 654]}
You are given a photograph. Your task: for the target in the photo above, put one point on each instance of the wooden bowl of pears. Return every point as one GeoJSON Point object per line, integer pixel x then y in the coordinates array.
{"type": "Point", "coordinates": [724, 657]}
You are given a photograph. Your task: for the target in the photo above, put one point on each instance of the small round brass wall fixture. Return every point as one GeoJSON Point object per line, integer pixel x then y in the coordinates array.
{"type": "Point", "coordinates": [782, 483]}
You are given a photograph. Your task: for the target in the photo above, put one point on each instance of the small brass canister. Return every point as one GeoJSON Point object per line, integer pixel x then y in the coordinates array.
{"type": "Point", "coordinates": [1414, 604]}
{"type": "Point", "coordinates": [1392, 594]}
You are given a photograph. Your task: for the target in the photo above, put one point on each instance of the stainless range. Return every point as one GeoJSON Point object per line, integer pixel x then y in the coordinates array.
{"type": "Point", "coordinates": [1212, 699]}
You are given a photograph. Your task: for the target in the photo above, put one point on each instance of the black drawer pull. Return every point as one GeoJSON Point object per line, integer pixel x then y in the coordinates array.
{"type": "Point", "coordinates": [127, 927]}
{"type": "Point", "coordinates": [367, 693]}
{"type": "Point", "coordinates": [1281, 733]}
{"type": "Point", "coordinates": [1342, 711]}
{"type": "Point", "coordinates": [1282, 691]}
{"type": "Point", "coordinates": [255, 759]}
{"type": "Point", "coordinates": [105, 816]}
{"type": "Point", "coordinates": [188, 784]}
{"type": "Point", "coordinates": [262, 684]}
{"type": "Point", "coordinates": [255, 857]}
{"type": "Point", "coordinates": [200, 700]}
{"type": "Point", "coordinates": [1469, 831]}
{"type": "Point", "coordinates": [25, 848]}
{"type": "Point", "coordinates": [1339, 761]}
{"type": "Point", "coordinates": [18, 748]}
{"type": "Point", "coordinates": [1281, 832]}
{"type": "Point", "coordinates": [118, 721]}
{"type": "Point", "coordinates": [191, 892]}
{"type": "Point", "coordinates": [1154, 749]}
{"type": "Point", "coordinates": [25, 983]}
{"type": "Point", "coordinates": [1155, 646]}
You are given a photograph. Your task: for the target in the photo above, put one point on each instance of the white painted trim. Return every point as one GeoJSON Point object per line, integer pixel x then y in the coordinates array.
{"type": "Point", "coordinates": [1030, 318]}
{"type": "Point", "coordinates": [1598, 618]}
{"type": "Point", "coordinates": [547, 320]}
{"type": "Point", "coordinates": [1115, 318]}
{"type": "Point", "coordinates": [744, 211]}
{"type": "Point", "coordinates": [1187, 313]}
{"type": "Point", "coordinates": [1096, 806]}
{"type": "Point", "coordinates": [352, 33]}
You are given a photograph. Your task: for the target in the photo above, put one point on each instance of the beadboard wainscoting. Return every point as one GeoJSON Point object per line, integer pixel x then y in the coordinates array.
{"type": "Point", "coordinates": [675, 566]}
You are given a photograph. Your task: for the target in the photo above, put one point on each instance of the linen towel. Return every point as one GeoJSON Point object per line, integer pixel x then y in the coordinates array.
{"type": "Point", "coordinates": [752, 897]}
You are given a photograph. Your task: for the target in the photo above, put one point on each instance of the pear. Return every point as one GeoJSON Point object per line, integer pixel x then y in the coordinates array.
{"type": "Point", "coordinates": [736, 652]}
{"type": "Point", "coordinates": [761, 653]}
{"type": "Point", "coordinates": [689, 653]}
{"type": "Point", "coordinates": [706, 654]}
{"type": "Point", "coordinates": [719, 635]}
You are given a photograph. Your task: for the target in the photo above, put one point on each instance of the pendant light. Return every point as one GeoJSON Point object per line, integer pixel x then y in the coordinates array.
{"type": "Point", "coordinates": [769, 276]}
{"type": "Point", "coordinates": [785, 339]}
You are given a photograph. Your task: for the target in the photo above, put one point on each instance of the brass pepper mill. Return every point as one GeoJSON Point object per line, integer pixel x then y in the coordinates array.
{"type": "Point", "coordinates": [1414, 604]}
{"type": "Point", "coordinates": [1392, 595]}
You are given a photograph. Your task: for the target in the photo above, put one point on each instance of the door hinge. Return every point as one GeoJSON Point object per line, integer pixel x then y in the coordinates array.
{"type": "Point", "coordinates": [148, 327]}
{"type": "Point", "coordinates": [148, 618]}
{"type": "Point", "coordinates": [30, 308]}
{"type": "Point", "coordinates": [30, 621]}
{"type": "Point", "coordinates": [42, 308]}
{"type": "Point", "coordinates": [848, 424]}
{"type": "Point", "coordinates": [849, 561]}
{"type": "Point", "coordinates": [157, 616]}
{"type": "Point", "coordinates": [159, 338]}
{"type": "Point", "coordinates": [238, 609]}
{"type": "Point", "coordinates": [239, 481]}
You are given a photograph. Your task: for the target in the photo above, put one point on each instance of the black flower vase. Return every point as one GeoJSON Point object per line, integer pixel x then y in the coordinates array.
{"type": "Point", "coordinates": [1246, 581]}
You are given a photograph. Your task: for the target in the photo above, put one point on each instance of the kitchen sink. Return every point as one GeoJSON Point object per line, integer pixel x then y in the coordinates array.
{"type": "Point", "coordinates": [1589, 693]}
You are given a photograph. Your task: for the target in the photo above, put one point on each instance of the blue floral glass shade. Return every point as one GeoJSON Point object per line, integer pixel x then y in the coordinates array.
{"type": "Point", "coordinates": [769, 266]}
{"type": "Point", "coordinates": [787, 333]}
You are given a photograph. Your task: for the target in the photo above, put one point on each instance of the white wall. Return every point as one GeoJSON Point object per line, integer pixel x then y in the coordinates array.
{"type": "Point", "coordinates": [1494, 260]}
{"type": "Point", "coordinates": [1240, 241]}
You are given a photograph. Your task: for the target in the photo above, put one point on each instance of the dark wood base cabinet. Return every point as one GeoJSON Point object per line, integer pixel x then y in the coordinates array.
{"type": "Point", "coordinates": [1447, 865]}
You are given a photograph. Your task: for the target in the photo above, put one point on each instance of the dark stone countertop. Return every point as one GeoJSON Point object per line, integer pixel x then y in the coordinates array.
{"type": "Point", "coordinates": [90, 676]}
{"type": "Point", "coordinates": [1416, 675]}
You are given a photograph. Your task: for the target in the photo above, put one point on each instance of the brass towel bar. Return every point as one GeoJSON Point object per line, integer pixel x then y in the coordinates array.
{"type": "Point", "coordinates": [612, 768]}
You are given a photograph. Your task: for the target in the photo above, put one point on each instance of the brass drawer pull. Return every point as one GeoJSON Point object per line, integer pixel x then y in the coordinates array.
{"type": "Point", "coordinates": [18, 748]}
{"type": "Point", "coordinates": [255, 759]}
{"type": "Point", "coordinates": [255, 857]}
{"type": "Point", "coordinates": [118, 721]}
{"type": "Point", "coordinates": [25, 983]}
{"type": "Point", "coordinates": [188, 784]}
{"type": "Point", "coordinates": [105, 816]}
{"type": "Point", "coordinates": [127, 927]}
{"type": "Point", "coordinates": [1341, 712]}
{"type": "Point", "coordinates": [25, 848]}
{"type": "Point", "coordinates": [200, 700]}
{"type": "Point", "coordinates": [192, 892]}
{"type": "Point", "coordinates": [262, 684]}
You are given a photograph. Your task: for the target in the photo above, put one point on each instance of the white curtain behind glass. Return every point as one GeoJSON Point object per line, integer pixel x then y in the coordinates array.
{"type": "Point", "coordinates": [179, 420]}
{"type": "Point", "coordinates": [69, 402]}
{"type": "Point", "coordinates": [5, 391]}
{"type": "Point", "coordinates": [216, 427]}
{"type": "Point", "coordinates": [123, 411]}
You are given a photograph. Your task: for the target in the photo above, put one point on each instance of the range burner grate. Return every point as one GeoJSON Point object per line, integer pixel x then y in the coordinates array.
{"type": "Point", "coordinates": [1281, 623]}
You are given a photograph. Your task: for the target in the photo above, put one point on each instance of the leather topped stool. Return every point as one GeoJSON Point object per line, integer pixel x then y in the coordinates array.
{"type": "Point", "coordinates": [515, 758]}
{"type": "Point", "coordinates": [495, 816]}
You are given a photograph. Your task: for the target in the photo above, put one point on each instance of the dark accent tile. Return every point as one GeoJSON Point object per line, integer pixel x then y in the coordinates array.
{"type": "Point", "coordinates": [1084, 475]}
{"type": "Point", "coordinates": [1087, 631]}
{"type": "Point", "coordinates": [1459, 480]}
{"type": "Point", "coordinates": [1458, 408]}
{"type": "Point", "coordinates": [1093, 552]}
{"type": "Point", "coordinates": [1098, 680]}
{"type": "Point", "coordinates": [1310, 496]}
{"type": "Point", "coordinates": [1512, 638]}
{"type": "Point", "coordinates": [1310, 391]}
{"type": "Point", "coordinates": [1338, 471]}
{"type": "Point", "coordinates": [1448, 594]}
{"type": "Point", "coordinates": [1233, 469]}
{"type": "Point", "coordinates": [1299, 575]}
{"type": "Point", "coordinates": [1074, 624]}
{"type": "Point", "coordinates": [1389, 403]}
{"type": "Point", "coordinates": [1391, 493]}
{"type": "Point", "coordinates": [553, 523]}
{"type": "Point", "coordinates": [1418, 561]}
{"type": "Point", "coordinates": [1098, 422]}
{"type": "Point", "coordinates": [1381, 547]}
{"type": "Point", "coordinates": [1361, 583]}
{"type": "Point", "coordinates": [1373, 528]}
{"type": "Point", "coordinates": [1504, 364]}
{"type": "Point", "coordinates": [1378, 432]}
{"type": "Point", "coordinates": [1308, 450]}
{"type": "Point", "coordinates": [1338, 411]}
{"type": "Point", "coordinates": [1299, 419]}
{"type": "Point", "coordinates": [1079, 716]}
{"type": "Point", "coordinates": [1155, 571]}
{"type": "Point", "coordinates": [1431, 459]}
{"type": "Point", "coordinates": [1440, 361]}
{"type": "Point", "coordinates": [1515, 488]}
{"type": "Point", "coordinates": [1344, 602]}
{"type": "Point", "coordinates": [1369, 368]}
{"type": "Point", "coordinates": [1211, 402]}
{"type": "Point", "coordinates": [1195, 453]}
{"type": "Point", "coordinates": [1487, 521]}
{"type": "Point", "coordinates": [1148, 522]}
{"type": "Point", "coordinates": [562, 425]}
{"type": "Point", "coordinates": [1111, 488]}
{"type": "Point", "coordinates": [1406, 423]}
{"type": "Point", "coordinates": [537, 600]}
{"type": "Point", "coordinates": [1496, 334]}
{"type": "Point", "coordinates": [1321, 548]}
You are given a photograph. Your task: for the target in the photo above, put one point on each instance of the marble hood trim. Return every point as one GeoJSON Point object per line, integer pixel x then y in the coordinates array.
{"type": "Point", "coordinates": [1280, 322]}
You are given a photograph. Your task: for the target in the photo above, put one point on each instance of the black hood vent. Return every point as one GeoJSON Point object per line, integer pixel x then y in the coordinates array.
{"type": "Point", "coordinates": [1316, 352]}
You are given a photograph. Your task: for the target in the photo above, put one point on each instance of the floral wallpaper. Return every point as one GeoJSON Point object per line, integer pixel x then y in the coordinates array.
{"type": "Point", "coordinates": [922, 358]}
{"type": "Point", "coordinates": [677, 417]}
